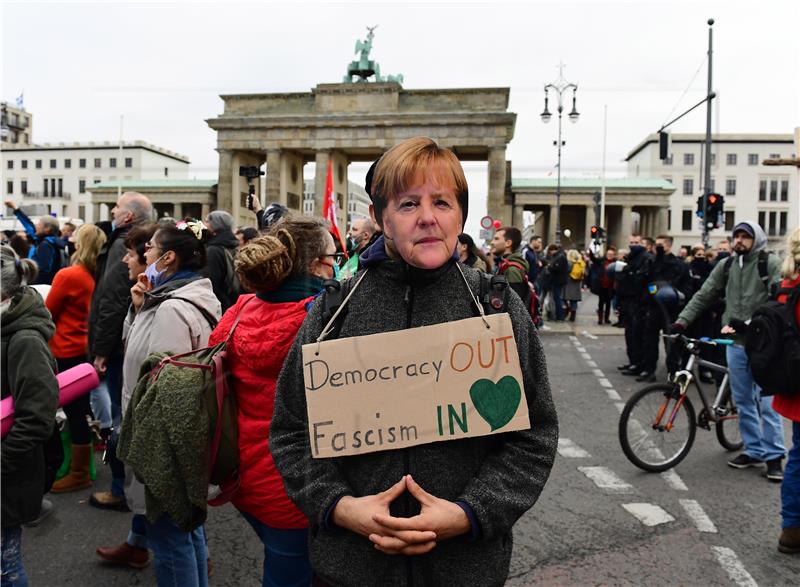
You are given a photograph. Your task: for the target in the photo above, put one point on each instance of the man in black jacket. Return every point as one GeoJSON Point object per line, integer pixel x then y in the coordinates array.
{"type": "Point", "coordinates": [668, 287]}
{"type": "Point", "coordinates": [221, 250]}
{"type": "Point", "coordinates": [110, 301]}
{"type": "Point", "coordinates": [630, 291]}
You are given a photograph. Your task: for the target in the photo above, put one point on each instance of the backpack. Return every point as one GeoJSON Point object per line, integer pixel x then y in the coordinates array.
{"type": "Point", "coordinates": [530, 297]}
{"type": "Point", "coordinates": [763, 268]}
{"type": "Point", "coordinates": [772, 343]}
{"type": "Point", "coordinates": [492, 297]}
{"type": "Point", "coordinates": [211, 379]}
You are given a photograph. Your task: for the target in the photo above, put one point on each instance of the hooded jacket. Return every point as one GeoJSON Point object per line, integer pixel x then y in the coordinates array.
{"type": "Point", "coordinates": [220, 252]}
{"type": "Point", "coordinates": [47, 251]}
{"type": "Point", "coordinates": [255, 356]}
{"type": "Point", "coordinates": [28, 375]}
{"type": "Point", "coordinates": [497, 477]}
{"type": "Point", "coordinates": [744, 291]}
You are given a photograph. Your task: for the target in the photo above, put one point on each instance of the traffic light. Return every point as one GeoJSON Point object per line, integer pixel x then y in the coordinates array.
{"type": "Point", "coordinates": [663, 145]}
{"type": "Point", "coordinates": [700, 206]}
{"type": "Point", "coordinates": [597, 232]}
{"type": "Point", "coordinates": [715, 209]}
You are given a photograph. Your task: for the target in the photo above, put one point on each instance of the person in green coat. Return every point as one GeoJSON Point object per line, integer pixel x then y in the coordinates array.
{"type": "Point", "coordinates": [29, 377]}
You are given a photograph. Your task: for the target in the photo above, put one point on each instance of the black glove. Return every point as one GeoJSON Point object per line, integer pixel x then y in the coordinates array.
{"type": "Point", "coordinates": [677, 328]}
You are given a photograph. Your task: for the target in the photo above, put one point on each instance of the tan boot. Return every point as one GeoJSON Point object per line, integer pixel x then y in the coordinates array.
{"type": "Point", "coordinates": [78, 476]}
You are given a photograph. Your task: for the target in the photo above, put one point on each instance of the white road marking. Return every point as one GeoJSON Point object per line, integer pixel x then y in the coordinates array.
{"type": "Point", "coordinates": [606, 479]}
{"type": "Point", "coordinates": [588, 334]}
{"type": "Point", "coordinates": [586, 356]}
{"type": "Point", "coordinates": [620, 406]}
{"type": "Point", "coordinates": [591, 363]}
{"type": "Point", "coordinates": [597, 372]}
{"type": "Point", "coordinates": [701, 521]}
{"type": "Point", "coordinates": [674, 480]}
{"type": "Point", "coordinates": [573, 337]}
{"type": "Point", "coordinates": [648, 514]}
{"type": "Point", "coordinates": [733, 566]}
{"type": "Point", "coordinates": [567, 448]}
{"type": "Point", "coordinates": [580, 349]}
{"type": "Point", "coordinates": [605, 382]}
{"type": "Point", "coordinates": [613, 395]}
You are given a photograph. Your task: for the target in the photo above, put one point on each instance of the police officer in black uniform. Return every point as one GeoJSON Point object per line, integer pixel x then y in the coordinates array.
{"type": "Point", "coordinates": [630, 287]}
{"type": "Point", "coordinates": [666, 292]}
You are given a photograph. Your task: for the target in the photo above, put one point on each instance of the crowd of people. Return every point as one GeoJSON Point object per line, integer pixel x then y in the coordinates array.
{"type": "Point", "coordinates": [122, 290]}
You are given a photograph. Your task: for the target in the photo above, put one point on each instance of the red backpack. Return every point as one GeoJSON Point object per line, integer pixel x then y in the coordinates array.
{"type": "Point", "coordinates": [531, 300]}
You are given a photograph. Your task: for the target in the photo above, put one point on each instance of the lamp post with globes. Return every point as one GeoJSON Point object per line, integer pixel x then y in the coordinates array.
{"type": "Point", "coordinates": [560, 86]}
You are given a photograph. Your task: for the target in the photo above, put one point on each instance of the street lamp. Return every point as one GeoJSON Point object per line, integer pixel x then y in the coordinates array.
{"type": "Point", "coordinates": [559, 87]}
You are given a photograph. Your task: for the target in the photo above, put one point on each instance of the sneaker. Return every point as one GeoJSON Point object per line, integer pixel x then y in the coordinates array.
{"type": "Point", "coordinates": [743, 461]}
{"type": "Point", "coordinates": [774, 470]}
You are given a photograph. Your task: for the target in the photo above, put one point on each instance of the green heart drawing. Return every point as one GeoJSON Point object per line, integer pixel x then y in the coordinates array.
{"type": "Point", "coordinates": [496, 402]}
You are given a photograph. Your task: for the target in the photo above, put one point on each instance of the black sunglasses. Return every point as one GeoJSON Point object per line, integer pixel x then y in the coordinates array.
{"type": "Point", "coordinates": [337, 257]}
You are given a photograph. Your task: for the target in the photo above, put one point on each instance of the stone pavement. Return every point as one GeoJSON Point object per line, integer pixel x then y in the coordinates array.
{"type": "Point", "coordinates": [585, 323]}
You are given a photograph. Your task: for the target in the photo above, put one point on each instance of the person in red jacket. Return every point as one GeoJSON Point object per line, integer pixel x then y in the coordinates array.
{"type": "Point", "coordinates": [789, 407]}
{"type": "Point", "coordinates": [68, 301]}
{"type": "Point", "coordinates": [286, 269]}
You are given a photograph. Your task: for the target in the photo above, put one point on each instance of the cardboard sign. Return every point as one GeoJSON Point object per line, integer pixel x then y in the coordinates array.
{"type": "Point", "coordinates": [415, 386]}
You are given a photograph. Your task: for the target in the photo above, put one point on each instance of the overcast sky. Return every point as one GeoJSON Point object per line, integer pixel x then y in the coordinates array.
{"type": "Point", "coordinates": [164, 64]}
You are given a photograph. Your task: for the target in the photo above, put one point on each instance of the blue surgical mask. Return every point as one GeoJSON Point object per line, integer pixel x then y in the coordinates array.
{"type": "Point", "coordinates": [153, 274]}
{"type": "Point", "coordinates": [336, 271]}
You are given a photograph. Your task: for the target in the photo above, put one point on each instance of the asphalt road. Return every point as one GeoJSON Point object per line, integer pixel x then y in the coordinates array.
{"type": "Point", "coordinates": [713, 525]}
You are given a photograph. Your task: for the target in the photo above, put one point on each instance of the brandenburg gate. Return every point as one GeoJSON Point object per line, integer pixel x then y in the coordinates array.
{"type": "Point", "coordinates": [353, 121]}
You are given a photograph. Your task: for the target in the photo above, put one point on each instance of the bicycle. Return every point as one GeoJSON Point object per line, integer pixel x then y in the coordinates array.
{"type": "Point", "coordinates": [658, 424]}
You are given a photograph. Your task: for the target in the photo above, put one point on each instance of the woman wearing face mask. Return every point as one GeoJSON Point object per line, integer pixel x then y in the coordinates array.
{"type": "Point", "coordinates": [173, 310]}
{"type": "Point", "coordinates": [285, 269]}
{"type": "Point", "coordinates": [432, 514]}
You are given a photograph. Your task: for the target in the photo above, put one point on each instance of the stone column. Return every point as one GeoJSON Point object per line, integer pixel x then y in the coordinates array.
{"type": "Point", "coordinates": [662, 220]}
{"type": "Point", "coordinates": [341, 188]}
{"type": "Point", "coordinates": [320, 177]}
{"type": "Point", "coordinates": [177, 211]}
{"type": "Point", "coordinates": [496, 204]}
{"type": "Point", "coordinates": [627, 222]}
{"type": "Point", "coordinates": [516, 216]}
{"type": "Point", "coordinates": [95, 213]}
{"type": "Point", "coordinates": [291, 194]}
{"type": "Point", "coordinates": [273, 177]}
{"type": "Point", "coordinates": [587, 233]}
{"type": "Point", "coordinates": [551, 225]}
{"type": "Point", "coordinates": [225, 181]}
{"type": "Point", "coordinates": [206, 209]}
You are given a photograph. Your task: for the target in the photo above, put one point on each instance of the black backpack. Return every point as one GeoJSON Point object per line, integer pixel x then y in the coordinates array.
{"type": "Point", "coordinates": [492, 296]}
{"type": "Point", "coordinates": [772, 343]}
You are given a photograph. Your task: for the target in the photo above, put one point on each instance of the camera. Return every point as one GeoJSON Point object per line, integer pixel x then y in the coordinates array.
{"type": "Point", "coordinates": [250, 172]}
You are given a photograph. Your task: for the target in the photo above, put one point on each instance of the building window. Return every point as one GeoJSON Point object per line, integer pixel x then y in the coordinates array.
{"type": "Point", "coordinates": [782, 227]}
{"type": "Point", "coordinates": [762, 190]}
{"type": "Point", "coordinates": [9, 187]}
{"type": "Point", "coordinates": [82, 163]}
{"type": "Point", "coordinates": [96, 180]}
{"type": "Point", "coordinates": [112, 162]}
{"type": "Point", "coordinates": [762, 220]}
{"type": "Point", "coordinates": [713, 185]}
{"type": "Point", "coordinates": [667, 161]}
{"type": "Point", "coordinates": [53, 187]}
{"type": "Point", "coordinates": [97, 163]}
{"type": "Point", "coordinates": [24, 186]}
{"type": "Point", "coordinates": [686, 220]}
{"type": "Point", "coordinates": [784, 190]}
{"type": "Point", "coordinates": [729, 220]}
{"type": "Point", "coordinates": [772, 230]}
{"type": "Point", "coordinates": [52, 163]}
{"type": "Point", "coordinates": [730, 159]}
{"type": "Point", "coordinates": [730, 187]}
{"type": "Point", "coordinates": [81, 186]}
{"type": "Point", "coordinates": [688, 158]}
{"type": "Point", "coordinates": [82, 212]}
{"type": "Point", "coordinates": [10, 164]}
{"type": "Point", "coordinates": [46, 191]}
{"type": "Point", "coordinates": [38, 164]}
{"type": "Point", "coordinates": [773, 191]}
{"type": "Point", "coordinates": [688, 186]}
{"type": "Point", "coordinates": [752, 159]}
{"type": "Point", "coordinates": [774, 156]}
{"type": "Point", "coordinates": [24, 163]}
{"type": "Point", "coordinates": [60, 187]}
{"type": "Point", "coordinates": [166, 172]}
{"type": "Point", "coordinates": [128, 161]}
{"type": "Point", "coordinates": [67, 163]}
{"type": "Point", "coordinates": [713, 159]}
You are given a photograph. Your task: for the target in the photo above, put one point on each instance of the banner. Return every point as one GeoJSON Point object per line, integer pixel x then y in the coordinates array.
{"type": "Point", "coordinates": [397, 389]}
{"type": "Point", "coordinates": [329, 207]}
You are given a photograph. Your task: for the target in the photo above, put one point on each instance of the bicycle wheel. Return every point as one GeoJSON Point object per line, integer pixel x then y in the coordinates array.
{"type": "Point", "coordinates": [643, 434]}
{"type": "Point", "coordinates": [727, 427]}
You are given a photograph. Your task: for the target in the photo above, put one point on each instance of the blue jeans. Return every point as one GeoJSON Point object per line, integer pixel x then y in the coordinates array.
{"type": "Point", "coordinates": [181, 557]}
{"type": "Point", "coordinates": [790, 489]}
{"type": "Point", "coordinates": [760, 425]}
{"type": "Point", "coordinates": [137, 536]}
{"type": "Point", "coordinates": [13, 574]}
{"type": "Point", "coordinates": [558, 301]}
{"type": "Point", "coordinates": [114, 384]}
{"type": "Point", "coordinates": [286, 561]}
{"type": "Point", "coordinates": [101, 404]}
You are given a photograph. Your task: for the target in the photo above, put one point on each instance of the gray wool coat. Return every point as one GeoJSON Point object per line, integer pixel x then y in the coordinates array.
{"type": "Point", "coordinates": [499, 477]}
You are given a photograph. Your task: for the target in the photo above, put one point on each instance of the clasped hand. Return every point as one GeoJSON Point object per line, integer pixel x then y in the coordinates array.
{"type": "Point", "coordinates": [369, 516]}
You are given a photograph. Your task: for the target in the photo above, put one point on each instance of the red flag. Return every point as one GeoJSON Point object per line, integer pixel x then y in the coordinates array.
{"type": "Point", "coordinates": [329, 207]}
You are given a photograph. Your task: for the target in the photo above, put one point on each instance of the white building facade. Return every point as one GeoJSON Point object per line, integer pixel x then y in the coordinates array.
{"type": "Point", "coordinates": [753, 191]}
{"type": "Point", "coordinates": [52, 178]}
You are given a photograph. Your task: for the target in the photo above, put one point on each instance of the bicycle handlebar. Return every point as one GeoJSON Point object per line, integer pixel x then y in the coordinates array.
{"type": "Point", "coordinates": [703, 339]}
